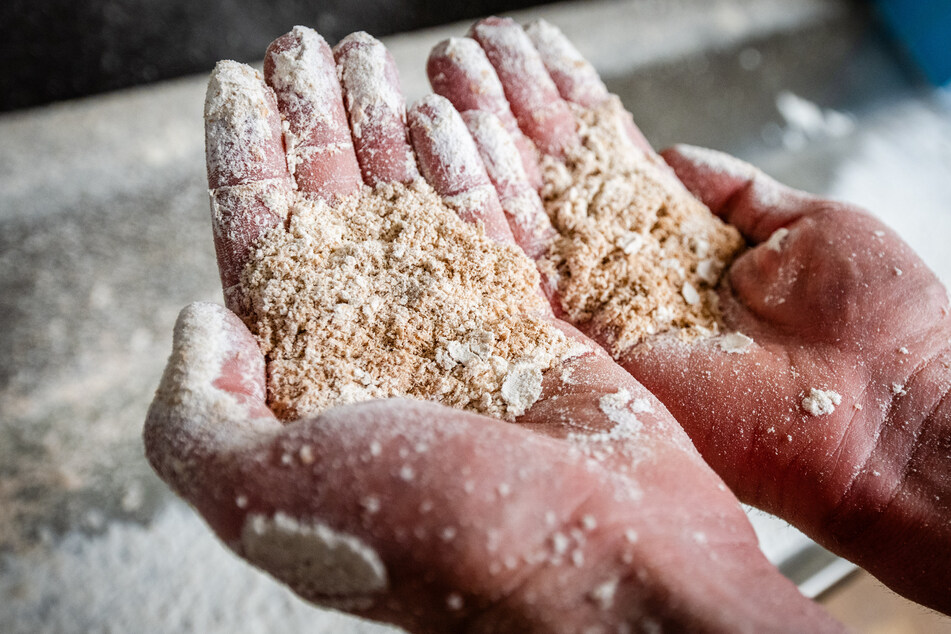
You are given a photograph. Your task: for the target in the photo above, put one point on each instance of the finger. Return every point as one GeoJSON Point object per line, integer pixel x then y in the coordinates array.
{"type": "Point", "coordinates": [576, 79]}
{"type": "Point", "coordinates": [450, 162]}
{"type": "Point", "coordinates": [459, 70]}
{"type": "Point", "coordinates": [300, 67]}
{"type": "Point", "coordinates": [377, 110]}
{"type": "Point", "coordinates": [736, 191]}
{"type": "Point", "coordinates": [247, 171]}
{"type": "Point", "coordinates": [541, 112]}
{"type": "Point", "coordinates": [522, 206]}
{"type": "Point", "coordinates": [209, 404]}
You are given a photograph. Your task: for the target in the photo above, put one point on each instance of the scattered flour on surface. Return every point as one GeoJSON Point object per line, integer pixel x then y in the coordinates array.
{"type": "Point", "coordinates": [821, 402]}
{"type": "Point", "coordinates": [133, 574]}
{"type": "Point", "coordinates": [806, 121]}
{"type": "Point", "coordinates": [897, 169]}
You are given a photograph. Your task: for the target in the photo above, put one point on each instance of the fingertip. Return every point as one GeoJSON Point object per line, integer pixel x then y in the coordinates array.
{"type": "Point", "coordinates": [435, 133]}
{"type": "Point", "coordinates": [541, 112]}
{"type": "Point", "coordinates": [576, 79]}
{"type": "Point", "coordinates": [242, 127]}
{"type": "Point", "coordinates": [376, 108]}
{"type": "Point", "coordinates": [214, 356]}
{"type": "Point", "coordinates": [299, 66]}
{"type": "Point", "coordinates": [459, 70]}
{"type": "Point", "coordinates": [210, 401]}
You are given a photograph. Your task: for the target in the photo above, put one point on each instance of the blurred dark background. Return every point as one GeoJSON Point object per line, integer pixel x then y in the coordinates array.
{"type": "Point", "coordinates": [60, 49]}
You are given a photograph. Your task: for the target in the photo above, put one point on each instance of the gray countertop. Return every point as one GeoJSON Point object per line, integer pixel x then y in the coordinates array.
{"type": "Point", "coordinates": [104, 236]}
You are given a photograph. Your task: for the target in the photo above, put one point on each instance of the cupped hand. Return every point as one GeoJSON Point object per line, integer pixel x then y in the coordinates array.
{"type": "Point", "coordinates": [830, 409]}
{"type": "Point", "coordinates": [593, 511]}
{"type": "Point", "coordinates": [836, 303]}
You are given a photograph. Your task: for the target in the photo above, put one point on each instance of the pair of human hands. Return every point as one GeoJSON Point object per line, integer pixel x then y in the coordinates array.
{"type": "Point", "coordinates": [438, 519]}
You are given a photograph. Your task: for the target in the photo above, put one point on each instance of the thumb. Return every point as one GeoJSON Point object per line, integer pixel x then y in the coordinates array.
{"type": "Point", "coordinates": [736, 191]}
{"type": "Point", "coordinates": [209, 405]}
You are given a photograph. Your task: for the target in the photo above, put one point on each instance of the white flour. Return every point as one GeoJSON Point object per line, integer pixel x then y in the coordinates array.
{"type": "Point", "coordinates": [821, 402]}
{"type": "Point", "coordinates": [174, 576]}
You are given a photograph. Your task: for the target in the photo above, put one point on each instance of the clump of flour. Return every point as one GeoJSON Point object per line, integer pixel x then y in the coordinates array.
{"type": "Point", "coordinates": [735, 343]}
{"type": "Point", "coordinates": [821, 402]}
{"type": "Point", "coordinates": [312, 558]}
{"type": "Point", "coordinates": [636, 253]}
{"type": "Point", "coordinates": [388, 293]}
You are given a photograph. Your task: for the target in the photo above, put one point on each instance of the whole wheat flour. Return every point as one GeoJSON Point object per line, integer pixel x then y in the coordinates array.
{"type": "Point", "coordinates": [636, 253]}
{"type": "Point", "coordinates": [388, 293]}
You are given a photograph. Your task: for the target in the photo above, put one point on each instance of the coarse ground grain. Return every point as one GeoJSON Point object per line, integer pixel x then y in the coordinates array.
{"type": "Point", "coordinates": [636, 254]}
{"type": "Point", "coordinates": [388, 293]}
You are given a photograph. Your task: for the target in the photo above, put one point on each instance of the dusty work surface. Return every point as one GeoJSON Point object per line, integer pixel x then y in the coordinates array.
{"type": "Point", "coordinates": [105, 235]}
